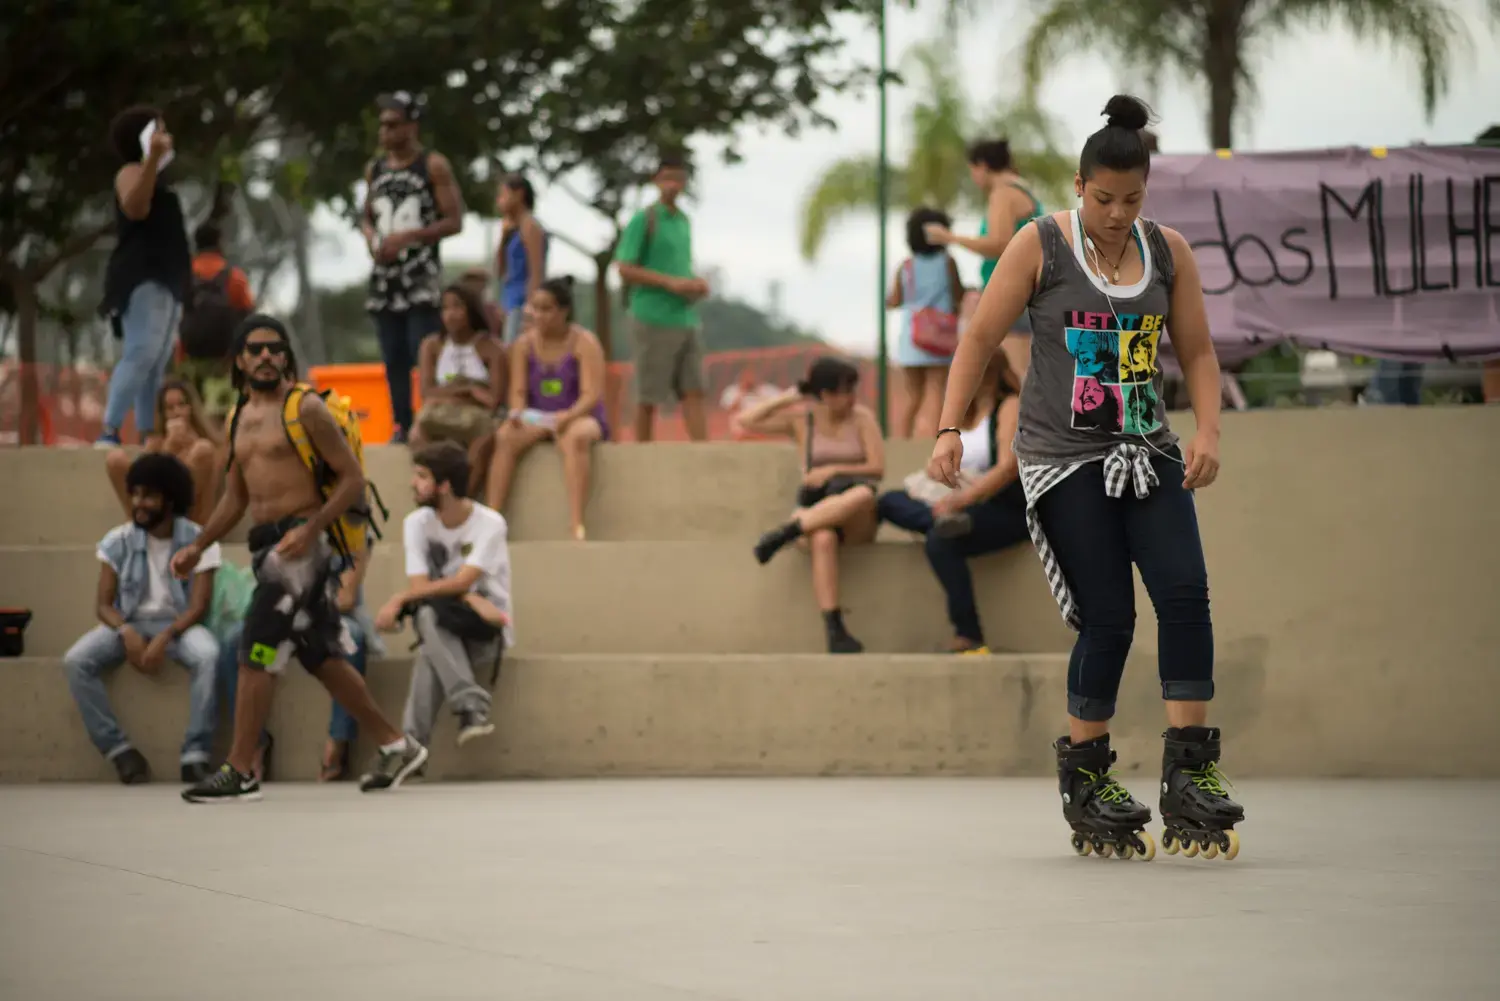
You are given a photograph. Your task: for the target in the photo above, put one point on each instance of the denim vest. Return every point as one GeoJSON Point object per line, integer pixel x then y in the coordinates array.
{"type": "Point", "coordinates": [125, 548]}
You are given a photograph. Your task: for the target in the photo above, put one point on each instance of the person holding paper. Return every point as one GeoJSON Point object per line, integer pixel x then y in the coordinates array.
{"type": "Point", "coordinates": [148, 271]}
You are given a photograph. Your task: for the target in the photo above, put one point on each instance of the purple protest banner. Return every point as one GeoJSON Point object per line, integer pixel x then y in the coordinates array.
{"type": "Point", "coordinates": [1395, 256]}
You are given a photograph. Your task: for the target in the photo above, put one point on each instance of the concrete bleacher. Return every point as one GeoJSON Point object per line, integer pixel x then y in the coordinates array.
{"type": "Point", "coordinates": [1354, 557]}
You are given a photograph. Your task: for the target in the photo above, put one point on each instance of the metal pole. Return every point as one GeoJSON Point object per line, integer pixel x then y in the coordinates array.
{"type": "Point", "coordinates": [883, 202]}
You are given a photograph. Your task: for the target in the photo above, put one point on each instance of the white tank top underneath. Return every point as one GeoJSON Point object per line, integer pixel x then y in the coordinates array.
{"type": "Point", "coordinates": [460, 361]}
{"type": "Point", "coordinates": [976, 442]}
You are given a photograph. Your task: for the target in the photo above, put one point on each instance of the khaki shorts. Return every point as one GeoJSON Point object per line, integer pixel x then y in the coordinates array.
{"type": "Point", "coordinates": [450, 420]}
{"type": "Point", "coordinates": [668, 362]}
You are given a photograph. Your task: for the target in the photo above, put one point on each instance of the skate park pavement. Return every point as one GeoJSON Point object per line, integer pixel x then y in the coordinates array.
{"type": "Point", "coordinates": [737, 890]}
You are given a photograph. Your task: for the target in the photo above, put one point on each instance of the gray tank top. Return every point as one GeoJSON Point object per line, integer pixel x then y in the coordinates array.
{"type": "Point", "coordinates": [1094, 381]}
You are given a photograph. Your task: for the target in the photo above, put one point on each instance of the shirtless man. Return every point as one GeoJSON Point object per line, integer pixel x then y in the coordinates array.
{"type": "Point", "coordinates": [294, 609]}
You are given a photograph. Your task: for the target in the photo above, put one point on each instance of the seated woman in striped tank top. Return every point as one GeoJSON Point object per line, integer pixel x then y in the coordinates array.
{"type": "Point", "coordinates": [843, 459]}
{"type": "Point", "coordinates": [1107, 483]}
{"type": "Point", "coordinates": [556, 394]}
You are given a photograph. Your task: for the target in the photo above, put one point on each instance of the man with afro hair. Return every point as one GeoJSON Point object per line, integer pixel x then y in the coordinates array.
{"type": "Point", "coordinates": [147, 617]}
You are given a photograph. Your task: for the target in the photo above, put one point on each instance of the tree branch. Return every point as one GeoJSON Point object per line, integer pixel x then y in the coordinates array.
{"type": "Point", "coordinates": [77, 245]}
{"type": "Point", "coordinates": [576, 245]}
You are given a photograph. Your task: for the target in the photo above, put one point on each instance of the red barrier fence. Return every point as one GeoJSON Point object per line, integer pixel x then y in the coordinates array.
{"type": "Point", "coordinates": [71, 400]}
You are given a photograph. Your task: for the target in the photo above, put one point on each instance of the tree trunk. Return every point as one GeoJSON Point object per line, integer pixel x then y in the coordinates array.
{"type": "Point", "coordinates": [603, 314]}
{"type": "Point", "coordinates": [309, 318]}
{"type": "Point", "coordinates": [1221, 62]}
{"type": "Point", "coordinates": [31, 397]}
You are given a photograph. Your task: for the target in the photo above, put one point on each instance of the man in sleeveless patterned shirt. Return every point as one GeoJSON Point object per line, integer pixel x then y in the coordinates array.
{"type": "Point", "coordinates": [412, 202]}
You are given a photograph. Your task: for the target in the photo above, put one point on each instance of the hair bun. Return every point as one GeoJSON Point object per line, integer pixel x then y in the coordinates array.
{"type": "Point", "coordinates": [1126, 112]}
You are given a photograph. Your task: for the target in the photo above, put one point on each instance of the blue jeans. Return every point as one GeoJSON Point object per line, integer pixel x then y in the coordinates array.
{"type": "Point", "coordinates": [1396, 382]}
{"type": "Point", "coordinates": [101, 650]}
{"type": "Point", "coordinates": [340, 727]}
{"type": "Point", "coordinates": [1095, 539]}
{"type": "Point", "coordinates": [149, 328]}
{"type": "Point", "coordinates": [400, 336]}
{"type": "Point", "coordinates": [998, 523]}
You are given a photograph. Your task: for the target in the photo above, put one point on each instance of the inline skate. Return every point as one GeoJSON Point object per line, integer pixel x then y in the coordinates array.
{"type": "Point", "coordinates": [1198, 815]}
{"type": "Point", "coordinates": [1105, 818]}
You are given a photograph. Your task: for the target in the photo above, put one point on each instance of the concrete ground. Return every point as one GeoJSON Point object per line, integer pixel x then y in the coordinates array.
{"type": "Point", "coordinates": [737, 890]}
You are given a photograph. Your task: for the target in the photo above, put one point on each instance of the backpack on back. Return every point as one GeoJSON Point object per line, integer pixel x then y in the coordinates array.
{"type": "Point", "coordinates": [352, 533]}
{"type": "Point", "coordinates": [208, 318]}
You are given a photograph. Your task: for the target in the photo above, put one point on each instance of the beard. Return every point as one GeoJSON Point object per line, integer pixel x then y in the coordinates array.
{"type": "Point", "coordinates": [264, 384]}
{"type": "Point", "coordinates": [427, 500]}
{"type": "Point", "coordinates": [149, 519]}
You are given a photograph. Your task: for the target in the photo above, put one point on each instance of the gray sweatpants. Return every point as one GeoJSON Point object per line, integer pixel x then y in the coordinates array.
{"type": "Point", "coordinates": [444, 672]}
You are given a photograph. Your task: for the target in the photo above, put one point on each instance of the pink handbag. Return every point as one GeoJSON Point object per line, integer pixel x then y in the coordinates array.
{"type": "Point", "coordinates": [932, 330]}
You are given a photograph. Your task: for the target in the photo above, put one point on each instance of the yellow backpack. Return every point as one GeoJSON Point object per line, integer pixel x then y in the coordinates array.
{"type": "Point", "coordinates": [352, 533]}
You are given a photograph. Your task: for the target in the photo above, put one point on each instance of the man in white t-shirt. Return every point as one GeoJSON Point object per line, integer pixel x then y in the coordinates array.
{"type": "Point", "coordinates": [458, 593]}
{"type": "Point", "coordinates": [147, 616]}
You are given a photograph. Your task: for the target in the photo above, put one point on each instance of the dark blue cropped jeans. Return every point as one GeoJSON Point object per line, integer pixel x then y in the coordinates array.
{"type": "Point", "coordinates": [1096, 538]}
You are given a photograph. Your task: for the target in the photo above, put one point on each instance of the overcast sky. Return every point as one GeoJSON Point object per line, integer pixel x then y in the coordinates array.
{"type": "Point", "coordinates": [745, 217]}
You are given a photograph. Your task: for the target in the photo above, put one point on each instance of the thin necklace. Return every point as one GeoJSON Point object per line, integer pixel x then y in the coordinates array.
{"type": "Point", "coordinates": [1115, 277]}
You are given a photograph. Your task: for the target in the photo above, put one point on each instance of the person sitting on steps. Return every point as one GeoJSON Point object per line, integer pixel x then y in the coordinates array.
{"type": "Point", "coordinates": [462, 372]}
{"type": "Point", "coordinates": [458, 594]}
{"type": "Point", "coordinates": [147, 616]}
{"type": "Point", "coordinates": [556, 393]}
{"type": "Point", "coordinates": [986, 514]}
{"type": "Point", "coordinates": [843, 459]}
{"type": "Point", "coordinates": [188, 437]}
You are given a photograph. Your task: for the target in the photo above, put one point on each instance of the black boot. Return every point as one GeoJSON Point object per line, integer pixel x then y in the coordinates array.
{"type": "Point", "coordinates": [1196, 810]}
{"type": "Point", "coordinates": [132, 767]}
{"type": "Point", "coordinates": [1105, 818]}
{"type": "Point", "coordinates": [775, 540]}
{"type": "Point", "coordinates": [839, 640]}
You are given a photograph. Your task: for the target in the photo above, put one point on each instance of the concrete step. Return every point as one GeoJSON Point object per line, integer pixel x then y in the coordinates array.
{"type": "Point", "coordinates": [646, 597]}
{"type": "Point", "coordinates": [811, 714]}
{"type": "Point", "coordinates": [669, 492]}
{"type": "Point", "coordinates": [611, 715]}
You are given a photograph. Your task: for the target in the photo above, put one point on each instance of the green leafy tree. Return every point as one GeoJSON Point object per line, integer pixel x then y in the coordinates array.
{"type": "Point", "coordinates": [1209, 43]}
{"type": "Point", "coordinates": [279, 96]}
{"type": "Point", "coordinates": [941, 126]}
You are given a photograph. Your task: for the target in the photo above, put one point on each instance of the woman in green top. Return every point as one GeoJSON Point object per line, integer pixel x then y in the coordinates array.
{"type": "Point", "coordinates": [1009, 206]}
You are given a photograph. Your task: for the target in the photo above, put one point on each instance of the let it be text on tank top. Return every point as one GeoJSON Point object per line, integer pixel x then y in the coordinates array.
{"type": "Point", "coordinates": [1094, 379]}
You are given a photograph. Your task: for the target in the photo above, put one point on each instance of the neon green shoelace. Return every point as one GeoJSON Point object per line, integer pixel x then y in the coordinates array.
{"type": "Point", "coordinates": [1210, 779]}
{"type": "Point", "coordinates": [1108, 788]}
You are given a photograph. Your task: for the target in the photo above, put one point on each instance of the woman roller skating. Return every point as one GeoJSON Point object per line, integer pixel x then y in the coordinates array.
{"type": "Point", "coordinates": [1107, 483]}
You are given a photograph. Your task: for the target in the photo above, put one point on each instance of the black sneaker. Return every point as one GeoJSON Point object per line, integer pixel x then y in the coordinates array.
{"type": "Point", "coordinates": [472, 725]}
{"type": "Point", "coordinates": [392, 767]}
{"type": "Point", "coordinates": [194, 772]}
{"type": "Point", "coordinates": [132, 767]}
{"type": "Point", "coordinates": [224, 786]}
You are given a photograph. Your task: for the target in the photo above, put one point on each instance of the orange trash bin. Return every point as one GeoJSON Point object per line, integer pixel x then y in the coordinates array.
{"type": "Point", "coordinates": [368, 395]}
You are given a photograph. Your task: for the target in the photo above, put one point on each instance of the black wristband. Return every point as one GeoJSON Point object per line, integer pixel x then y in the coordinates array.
{"type": "Point", "coordinates": [943, 431]}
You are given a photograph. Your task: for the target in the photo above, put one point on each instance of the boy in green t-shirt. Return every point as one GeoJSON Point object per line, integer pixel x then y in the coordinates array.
{"type": "Point", "coordinates": [655, 257]}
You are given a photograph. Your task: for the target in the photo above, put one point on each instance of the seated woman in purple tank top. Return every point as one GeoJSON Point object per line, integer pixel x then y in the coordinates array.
{"type": "Point", "coordinates": [556, 393]}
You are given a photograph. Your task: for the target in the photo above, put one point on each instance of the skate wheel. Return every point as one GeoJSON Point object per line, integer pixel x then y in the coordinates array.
{"type": "Point", "coordinates": [1145, 847]}
{"type": "Point", "coordinates": [1124, 851]}
{"type": "Point", "coordinates": [1232, 844]}
{"type": "Point", "coordinates": [1189, 848]}
{"type": "Point", "coordinates": [1210, 850]}
{"type": "Point", "coordinates": [1169, 842]}
{"type": "Point", "coordinates": [1102, 848]}
{"type": "Point", "coordinates": [1080, 846]}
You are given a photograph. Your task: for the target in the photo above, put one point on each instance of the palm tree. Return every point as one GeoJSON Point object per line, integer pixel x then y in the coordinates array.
{"type": "Point", "coordinates": [936, 171]}
{"type": "Point", "coordinates": [1212, 40]}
